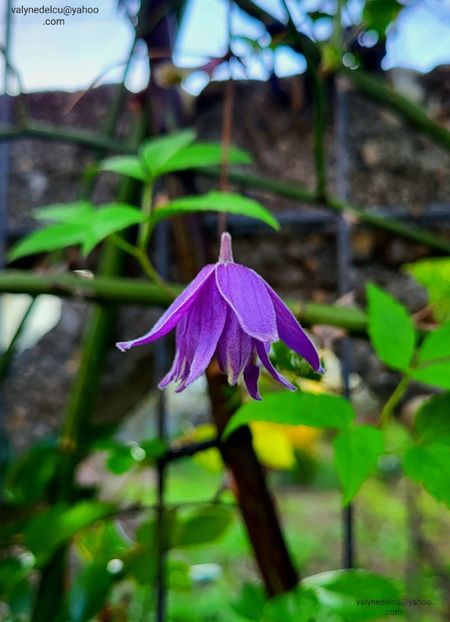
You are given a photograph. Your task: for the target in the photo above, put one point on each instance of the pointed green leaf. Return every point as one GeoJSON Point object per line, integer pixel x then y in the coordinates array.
{"type": "Point", "coordinates": [65, 212]}
{"type": "Point", "coordinates": [29, 476]}
{"type": "Point", "coordinates": [391, 329]}
{"type": "Point", "coordinates": [201, 526]}
{"type": "Point", "coordinates": [353, 594]}
{"type": "Point", "coordinates": [357, 450]}
{"type": "Point", "coordinates": [156, 152]}
{"type": "Point", "coordinates": [319, 411]}
{"type": "Point", "coordinates": [430, 466]}
{"type": "Point", "coordinates": [433, 360]}
{"type": "Point", "coordinates": [47, 239]}
{"type": "Point", "coordinates": [436, 345]}
{"type": "Point", "coordinates": [203, 154]}
{"type": "Point", "coordinates": [434, 275]}
{"type": "Point", "coordinates": [110, 219]}
{"type": "Point", "coordinates": [130, 166]}
{"type": "Point", "coordinates": [217, 202]}
{"type": "Point", "coordinates": [433, 420]}
{"type": "Point", "coordinates": [51, 528]}
{"type": "Point", "coordinates": [89, 591]}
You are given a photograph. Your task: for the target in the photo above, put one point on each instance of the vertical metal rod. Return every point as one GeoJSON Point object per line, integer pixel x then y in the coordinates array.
{"type": "Point", "coordinates": [5, 153]}
{"type": "Point", "coordinates": [161, 364]}
{"type": "Point", "coordinates": [343, 244]}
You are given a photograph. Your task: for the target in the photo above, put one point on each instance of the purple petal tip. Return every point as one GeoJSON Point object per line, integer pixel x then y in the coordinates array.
{"type": "Point", "coordinates": [122, 346]}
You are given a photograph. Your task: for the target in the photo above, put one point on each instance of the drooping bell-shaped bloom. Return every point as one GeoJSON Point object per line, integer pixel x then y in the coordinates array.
{"type": "Point", "coordinates": [228, 311]}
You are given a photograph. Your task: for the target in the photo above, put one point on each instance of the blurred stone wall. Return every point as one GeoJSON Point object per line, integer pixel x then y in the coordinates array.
{"type": "Point", "coordinates": [390, 165]}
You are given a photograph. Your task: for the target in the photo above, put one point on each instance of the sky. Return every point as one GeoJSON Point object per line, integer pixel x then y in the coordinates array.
{"type": "Point", "coordinates": [92, 47]}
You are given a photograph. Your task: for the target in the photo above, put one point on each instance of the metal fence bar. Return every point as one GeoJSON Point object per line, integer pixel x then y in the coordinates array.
{"type": "Point", "coordinates": [5, 154]}
{"type": "Point", "coordinates": [160, 368]}
{"type": "Point", "coordinates": [344, 260]}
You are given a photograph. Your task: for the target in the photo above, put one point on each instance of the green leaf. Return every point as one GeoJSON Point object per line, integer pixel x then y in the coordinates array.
{"type": "Point", "coordinates": [433, 359]}
{"type": "Point", "coordinates": [110, 219]}
{"type": "Point", "coordinates": [217, 202]}
{"type": "Point", "coordinates": [65, 212]}
{"type": "Point", "coordinates": [391, 329]}
{"type": "Point", "coordinates": [379, 14]}
{"type": "Point", "coordinates": [357, 450]}
{"type": "Point", "coordinates": [28, 478]}
{"type": "Point", "coordinates": [430, 466]}
{"type": "Point", "coordinates": [298, 605]}
{"type": "Point", "coordinates": [130, 166]}
{"type": "Point", "coordinates": [250, 602]}
{"type": "Point", "coordinates": [346, 591]}
{"type": "Point", "coordinates": [201, 526]}
{"type": "Point", "coordinates": [318, 411]}
{"type": "Point", "coordinates": [124, 457]}
{"type": "Point", "coordinates": [203, 154]}
{"type": "Point", "coordinates": [434, 275]}
{"type": "Point", "coordinates": [433, 420]}
{"type": "Point", "coordinates": [436, 345]}
{"type": "Point", "coordinates": [158, 151]}
{"type": "Point", "coordinates": [436, 374]}
{"type": "Point", "coordinates": [89, 591]}
{"type": "Point", "coordinates": [51, 528]}
{"type": "Point", "coordinates": [47, 239]}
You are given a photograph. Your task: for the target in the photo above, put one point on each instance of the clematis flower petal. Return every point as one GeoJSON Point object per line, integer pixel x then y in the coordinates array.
{"type": "Point", "coordinates": [264, 358]}
{"type": "Point", "coordinates": [234, 348]}
{"type": "Point", "coordinates": [247, 295]}
{"type": "Point", "coordinates": [174, 313]}
{"type": "Point", "coordinates": [179, 361]}
{"type": "Point", "coordinates": [292, 333]}
{"type": "Point", "coordinates": [251, 375]}
{"type": "Point", "coordinates": [204, 325]}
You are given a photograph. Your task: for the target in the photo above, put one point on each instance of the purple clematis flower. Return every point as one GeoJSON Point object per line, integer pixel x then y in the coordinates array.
{"type": "Point", "coordinates": [229, 311]}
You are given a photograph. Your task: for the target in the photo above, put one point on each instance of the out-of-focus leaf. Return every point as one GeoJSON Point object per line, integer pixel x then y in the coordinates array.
{"type": "Point", "coordinates": [123, 457]}
{"type": "Point", "coordinates": [434, 275]}
{"type": "Point", "coordinates": [65, 212]}
{"type": "Point", "coordinates": [436, 345]}
{"type": "Point", "coordinates": [101, 541]}
{"type": "Point", "coordinates": [203, 154]}
{"type": "Point", "coordinates": [201, 526]}
{"type": "Point", "coordinates": [379, 14]}
{"type": "Point", "coordinates": [391, 329]}
{"type": "Point", "coordinates": [12, 571]}
{"type": "Point", "coordinates": [89, 591]}
{"type": "Point", "coordinates": [436, 374]}
{"type": "Point", "coordinates": [51, 528]}
{"type": "Point", "coordinates": [48, 239]}
{"type": "Point", "coordinates": [110, 219]}
{"type": "Point", "coordinates": [357, 450]}
{"type": "Point", "coordinates": [27, 478]}
{"type": "Point", "coordinates": [346, 591]}
{"type": "Point", "coordinates": [433, 420]}
{"type": "Point", "coordinates": [430, 465]}
{"type": "Point", "coordinates": [298, 605]}
{"type": "Point", "coordinates": [158, 151]}
{"type": "Point", "coordinates": [217, 202]}
{"type": "Point", "coordinates": [321, 411]}
{"type": "Point", "coordinates": [250, 602]}
{"type": "Point", "coordinates": [130, 166]}
{"type": "Point", "coordinates": [433, 359]}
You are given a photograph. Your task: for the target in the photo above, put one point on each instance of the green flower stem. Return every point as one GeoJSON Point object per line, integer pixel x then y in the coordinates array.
{"type": "Point", "coordinates": [147, 226]}
{"type": "Point", "coordinates": [145, 263]}
{"type": "Point", "coordinates": [393, 401]}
